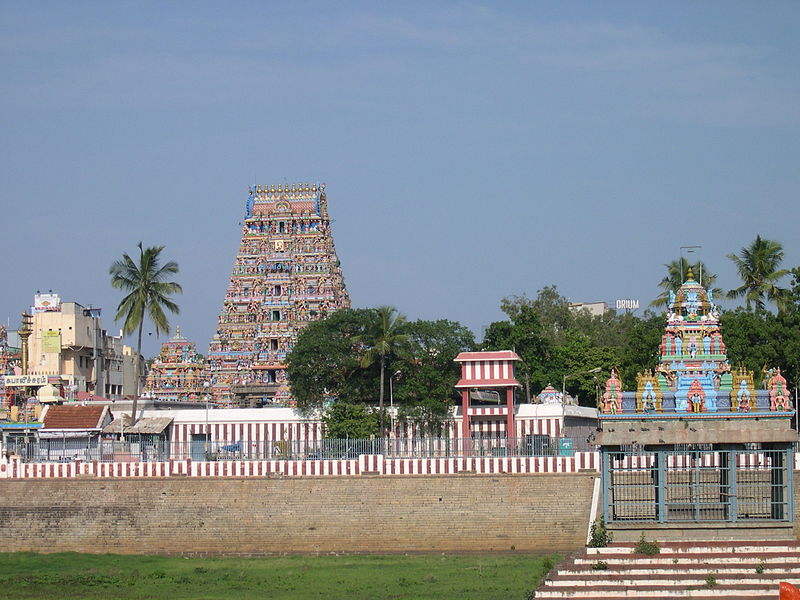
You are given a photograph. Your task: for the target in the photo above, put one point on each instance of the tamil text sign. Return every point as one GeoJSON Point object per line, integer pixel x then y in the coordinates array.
{"type": "Point", "coordinates": [24, 380]}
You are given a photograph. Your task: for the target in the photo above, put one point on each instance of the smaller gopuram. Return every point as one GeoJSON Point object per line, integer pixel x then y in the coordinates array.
{"type": "Point", "coordinates": [698, 449]}
{"type": "Point", "coordinates": [177, 374]}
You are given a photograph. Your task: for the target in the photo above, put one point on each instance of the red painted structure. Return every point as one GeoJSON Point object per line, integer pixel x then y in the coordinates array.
{"type": "Point", "coordinates": [487, 370]}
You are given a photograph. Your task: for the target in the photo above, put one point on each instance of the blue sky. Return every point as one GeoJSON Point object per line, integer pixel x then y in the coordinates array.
{"type": "Point", "coordinates": [471, 150]}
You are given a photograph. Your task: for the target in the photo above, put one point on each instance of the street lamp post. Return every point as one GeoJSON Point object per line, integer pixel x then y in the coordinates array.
{"type": "Point", "coordinates": [391, 398]}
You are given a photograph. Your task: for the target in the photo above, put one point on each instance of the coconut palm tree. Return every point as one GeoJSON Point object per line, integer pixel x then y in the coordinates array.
{"type": "Point", "coordinates": [759, 268]}
{"type": "Point", "coordinates": [383, 338]}
{"type": "Point", "coordinates": [677, 271]}
{"type": "Point", "coordinates": [148, 294]}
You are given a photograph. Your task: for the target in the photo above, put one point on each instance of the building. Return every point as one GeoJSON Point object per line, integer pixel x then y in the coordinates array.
{"type": "Point", "coordinates": [286, 274]}
{"type": "Point", "coordinates": [596, 309]}
{"type": "Point", "coordinates": [697, 444]}
{"type": "Point", "coordinates": [176, 375]}
{"type": "Point", "coordinates": [69, 343]}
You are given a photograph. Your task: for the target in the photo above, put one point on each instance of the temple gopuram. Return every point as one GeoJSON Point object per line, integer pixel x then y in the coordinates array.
{"type": "Point", "coordinates": [699, 443]}
{"type": "Point", "coordinates": [177, 375]}
{"type": "Point", "coordinates": [286, 274]}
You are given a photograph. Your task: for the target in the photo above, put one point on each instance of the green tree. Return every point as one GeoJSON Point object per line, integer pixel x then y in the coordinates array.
{"type": "Point", "coordinates": [759, 269]}
{"type": "Point", "coordinates": [676, 275]}
{"type": "Point", "coordinates": [324, 364]}
{"type": "Point", "coordinates": [551, 308]}
{"type": "Point", "coordinates": [526, 336]}
{"type": "Point", "coordinates": [148, 293]}
{"type": "Point", "coordinates": [382, 340]}
{"type": "Point", "coordinates": [428, 375]}
{"type": "Point", "coordinates": [641, 348]}
{"type": "Point", "coordinates": [344, 420]}
{"type": "Point", "coordinates": [751, 339]}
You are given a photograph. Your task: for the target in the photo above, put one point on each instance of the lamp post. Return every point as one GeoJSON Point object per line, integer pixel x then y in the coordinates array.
{"type": "Point", "coordinates": [690, 250]}
{"type": "Point", "coordinates": [391, 397]}
{"type": "Point", "coordinates": [575, 374]}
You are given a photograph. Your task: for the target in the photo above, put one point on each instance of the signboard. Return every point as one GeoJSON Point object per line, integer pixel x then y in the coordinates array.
{"type": "Point", "coordinates": [51, 342]}
{"type": "Point", "coordinates": [46, 303]}
{"type": "Point", "coordinates": [24, 380]}
{"type": "Point", "coordinates": [565, 447]}
{"type": "Point", "coordinates": [627, 304]}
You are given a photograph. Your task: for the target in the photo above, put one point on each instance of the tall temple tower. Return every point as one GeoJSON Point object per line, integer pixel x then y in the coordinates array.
{"type": "Point", "coordinates": [286, 274]}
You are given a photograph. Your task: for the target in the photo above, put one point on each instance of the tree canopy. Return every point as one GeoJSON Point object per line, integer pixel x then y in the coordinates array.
{"type": "Point", "coordinates": [759, 269]}
{"type": "Point", "coordinates": [326, 368]}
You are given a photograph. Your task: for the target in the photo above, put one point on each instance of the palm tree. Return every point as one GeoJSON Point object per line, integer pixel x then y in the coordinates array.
{"type": "Point", "coordinates": [383, 338]}
{"type": "Point", "coordinates": [677, 271]}
{"type": "Point", "coordinates": [148, 293]}
{"type": "Point", "coordinates": [758, 265]}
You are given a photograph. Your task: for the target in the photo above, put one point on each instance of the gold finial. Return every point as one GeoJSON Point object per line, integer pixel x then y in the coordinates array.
{"type": "Point", "coordinates": [690, 275]}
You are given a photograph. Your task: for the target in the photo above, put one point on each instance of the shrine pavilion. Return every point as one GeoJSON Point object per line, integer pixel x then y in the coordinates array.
{"type": "Point", "coordinates": [698, 443]}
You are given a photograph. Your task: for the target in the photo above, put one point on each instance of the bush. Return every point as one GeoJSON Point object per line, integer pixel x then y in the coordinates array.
{"type": "Point", "coordinates": [711, 580]}
{"type": "Point", "coordinates": [645, 547]}
{"type": "Point", "coordinates": [600, 565]}
{"type": "Point", "coordinates": [600, 535]}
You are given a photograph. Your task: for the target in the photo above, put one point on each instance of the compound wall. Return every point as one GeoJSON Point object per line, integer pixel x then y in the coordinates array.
{"type": "Point", "coordinates": [449, 513]}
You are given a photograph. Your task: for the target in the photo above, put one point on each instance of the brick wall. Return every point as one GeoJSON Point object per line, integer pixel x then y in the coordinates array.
{"type": "Point", "coordinates": [455, 513]}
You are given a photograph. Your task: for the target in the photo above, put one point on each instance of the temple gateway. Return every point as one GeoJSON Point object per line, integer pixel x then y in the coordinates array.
{"type": "Point", "coordinates": [698, 444]}
{"type": "Point", "coordinates": [286, 274]}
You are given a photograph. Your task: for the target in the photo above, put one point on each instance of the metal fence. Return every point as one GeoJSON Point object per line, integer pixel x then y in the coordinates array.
{"type": "Point", "coordinates": [697, 485]}
{"type": "Point", "coordinates": [202, 448]}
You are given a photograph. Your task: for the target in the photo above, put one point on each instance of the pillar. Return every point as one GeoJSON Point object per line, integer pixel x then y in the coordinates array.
{"type": "Point", "coordinates": [510, 430]}
{"type": "Point", "coordinates": [465, 428]}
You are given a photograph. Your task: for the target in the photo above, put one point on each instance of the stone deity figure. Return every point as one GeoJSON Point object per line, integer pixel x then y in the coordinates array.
{"type": "Point", "coordinates": [706, 344]}
{"type": "Point", "coordinates": [648, 398]}
{"type": "Point", "coordinates": [743, 397]}
{"type": "Point", "coordinates": [693, 346]}
{"type": "Point", "coordinates": [692, 303]}
{"type": "Point", "coordinates": [678, 345]}
{"type": "Point", "coordinates": [778, 395]}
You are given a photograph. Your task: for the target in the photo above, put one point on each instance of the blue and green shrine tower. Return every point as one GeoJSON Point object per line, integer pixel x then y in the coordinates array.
{"type": "Point", "coordinates": [697, 442]}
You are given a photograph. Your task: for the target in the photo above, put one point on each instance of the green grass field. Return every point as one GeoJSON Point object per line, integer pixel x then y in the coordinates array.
{"type": "Point", "coordinates": [401, 577]}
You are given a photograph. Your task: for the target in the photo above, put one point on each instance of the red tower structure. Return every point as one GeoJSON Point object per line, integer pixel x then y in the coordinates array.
{"type": "Point", "coordinates": [481, 371]}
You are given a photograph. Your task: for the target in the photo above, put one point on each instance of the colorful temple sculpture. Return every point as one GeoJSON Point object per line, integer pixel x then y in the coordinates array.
{"type": "Point", "coordinates": [177, 374]}
{"type": "Point", "coordinates": [286, 274]}
{"type": "Point", "coordinates": [697, 441]}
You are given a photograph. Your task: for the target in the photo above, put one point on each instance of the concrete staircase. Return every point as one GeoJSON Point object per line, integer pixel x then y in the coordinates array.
{"type": "Point", "coordinates": [737, 570]}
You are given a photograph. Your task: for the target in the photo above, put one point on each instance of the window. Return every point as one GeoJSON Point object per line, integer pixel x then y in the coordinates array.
{"type": "Point", "coordinates": [276, 315]}
{"type": "Point", "coordinates": [273, 344]}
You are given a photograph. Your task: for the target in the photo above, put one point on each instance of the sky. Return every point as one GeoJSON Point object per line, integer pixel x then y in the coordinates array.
{"type": "Point", "coordinates": [471, 150]}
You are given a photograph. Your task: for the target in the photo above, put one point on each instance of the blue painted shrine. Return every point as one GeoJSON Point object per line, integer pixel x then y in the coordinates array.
{"type": "Point", "coordinates": [696, 441]}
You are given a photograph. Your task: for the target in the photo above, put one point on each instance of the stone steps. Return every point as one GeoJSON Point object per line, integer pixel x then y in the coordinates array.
{"type": "Point", "coordinates": [743, 570]}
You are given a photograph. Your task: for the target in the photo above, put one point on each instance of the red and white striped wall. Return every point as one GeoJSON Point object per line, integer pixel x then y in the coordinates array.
{"type": "Point", "coordinates": [249, 432]}
{"type": "Point", "coordinates": [366, 464]}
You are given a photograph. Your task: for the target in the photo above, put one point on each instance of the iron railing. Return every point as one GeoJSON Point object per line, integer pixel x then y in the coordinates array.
{"type": "Point", "coordinates": [702, 484]}
{"type": "Point", "coordinates": [202, 448]}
